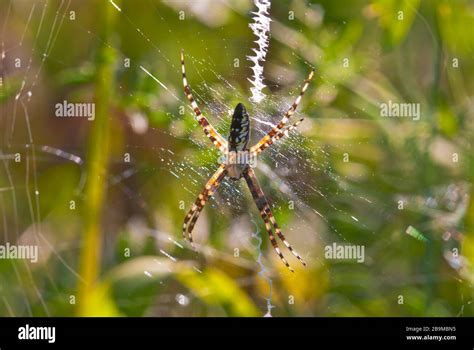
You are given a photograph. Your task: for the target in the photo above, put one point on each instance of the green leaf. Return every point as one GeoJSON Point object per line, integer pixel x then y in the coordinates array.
{"type": "Point", "coordinates": [396, 18]}
{"type": "Point", "coordinates": [455, 18]}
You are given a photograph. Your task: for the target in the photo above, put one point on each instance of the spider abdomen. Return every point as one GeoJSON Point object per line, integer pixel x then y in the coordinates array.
{"type": "Point", "coordinates": [239, 129]}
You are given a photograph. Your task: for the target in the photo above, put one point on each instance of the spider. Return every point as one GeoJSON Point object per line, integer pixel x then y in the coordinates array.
{"type": "Point", "coordinates": [237, 157]}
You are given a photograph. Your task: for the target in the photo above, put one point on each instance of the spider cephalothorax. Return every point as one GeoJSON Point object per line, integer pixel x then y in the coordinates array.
{"type": "Point", "coordinates": [238, 155]}
{"type": "Point", "coordinates": [238, 161]}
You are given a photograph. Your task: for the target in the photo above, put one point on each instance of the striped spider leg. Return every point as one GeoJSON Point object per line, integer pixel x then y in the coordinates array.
{"type": "Point", "coordinates": [208, 129]}
{"type": "Point", "coordinates": [274, 131]}
{"type": "Point", "coordinates": [201, 200]}
{"type": "Point", "coordinates": [268, 218]}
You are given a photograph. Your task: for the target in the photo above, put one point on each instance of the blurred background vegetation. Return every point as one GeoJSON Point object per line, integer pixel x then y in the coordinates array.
{"type": "Point", "coordinates": [105, 199]}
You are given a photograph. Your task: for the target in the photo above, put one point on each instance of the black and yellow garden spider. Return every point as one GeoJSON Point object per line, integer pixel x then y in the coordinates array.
{"type": "Point", "coordinates": [238, 157]}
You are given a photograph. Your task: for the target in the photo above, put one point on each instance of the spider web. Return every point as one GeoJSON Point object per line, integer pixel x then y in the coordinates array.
{"type": "Point", "coordinates": [291, 172]}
